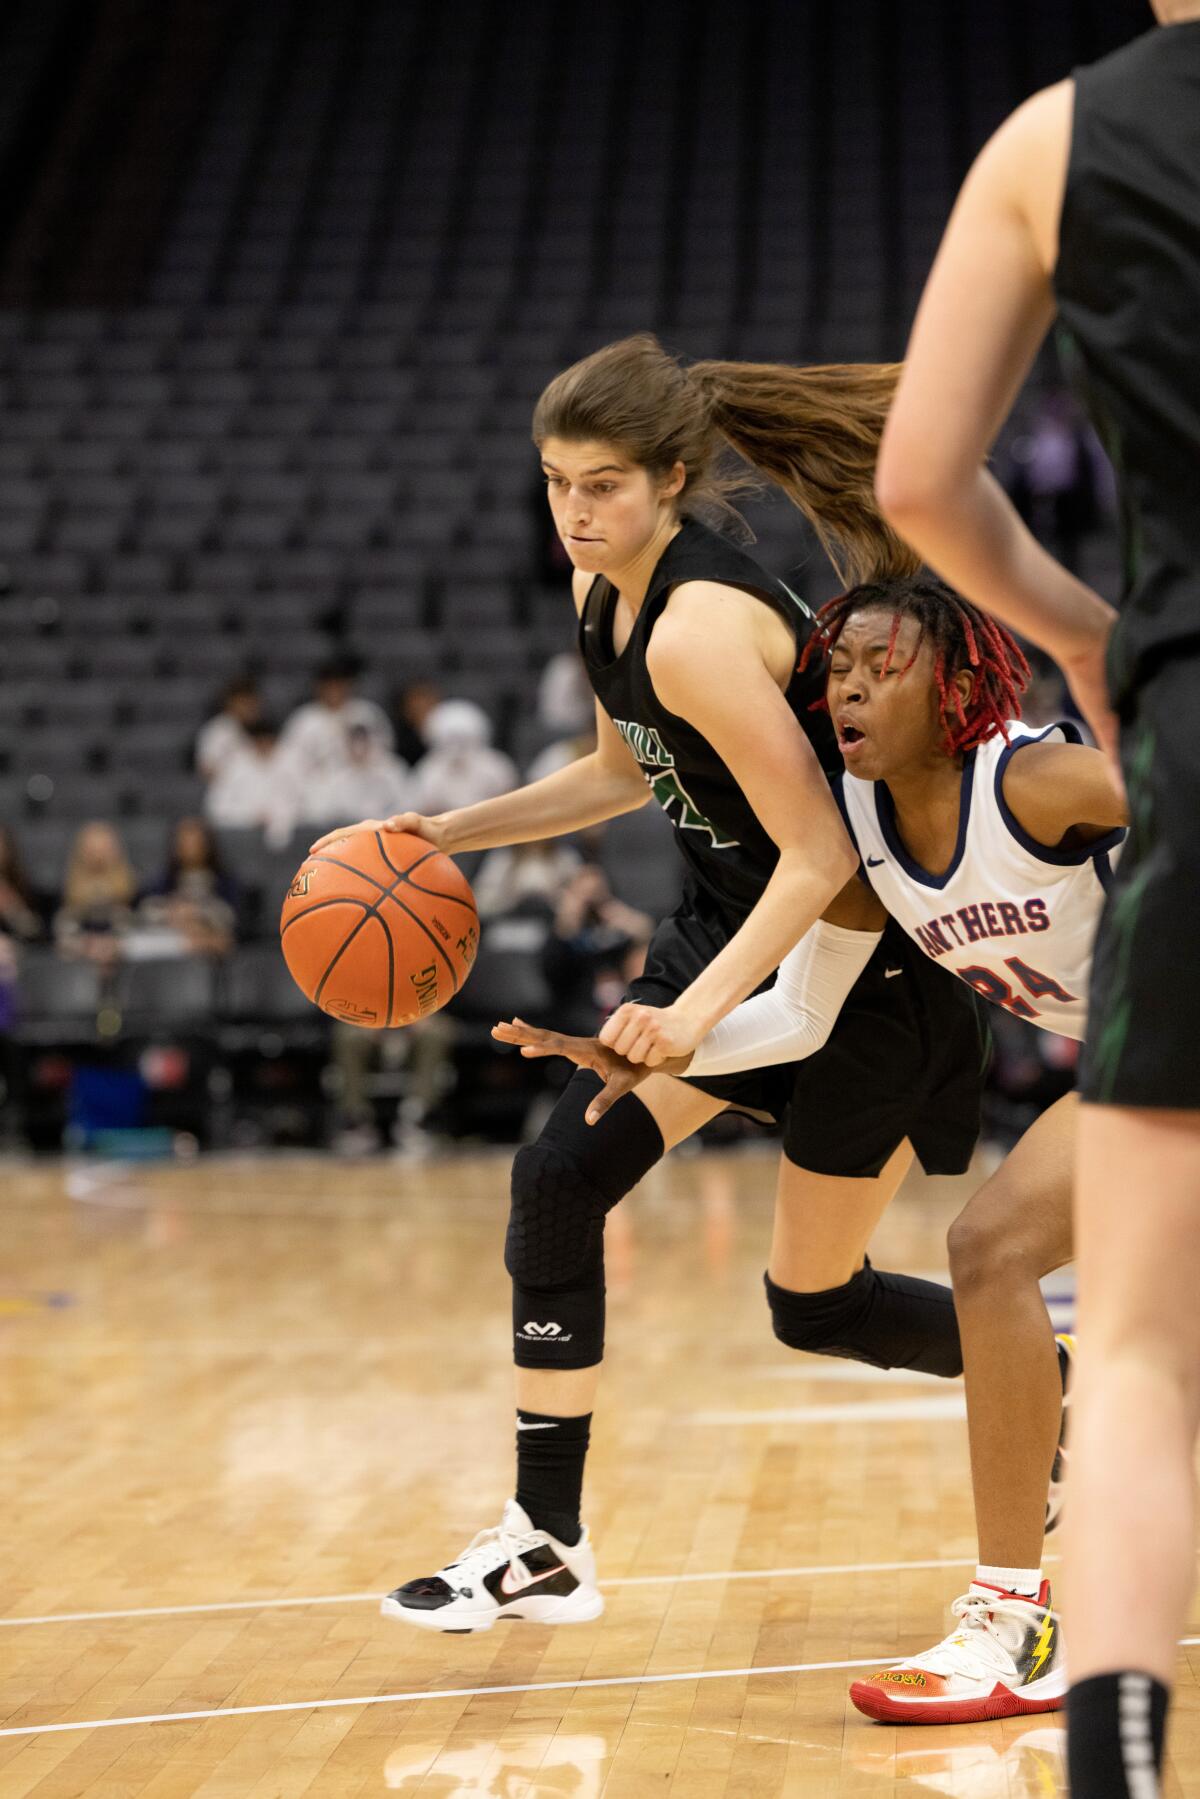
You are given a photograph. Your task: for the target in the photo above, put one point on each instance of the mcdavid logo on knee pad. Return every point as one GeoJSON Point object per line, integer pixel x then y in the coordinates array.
{"type": "Point", "coordinates": [542, 1333]}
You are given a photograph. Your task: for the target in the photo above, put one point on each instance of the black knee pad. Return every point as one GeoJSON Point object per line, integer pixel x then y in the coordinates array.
{"type": "Point", "coordinates": [556, 1221]}
{"type": "Point", "coordinates": [885, 1320]}
{"type": "Point", "coordinates": [562, 1188]}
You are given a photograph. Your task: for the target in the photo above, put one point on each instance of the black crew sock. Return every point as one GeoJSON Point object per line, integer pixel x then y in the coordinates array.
{"type": "Point", "coordinates": [1115, 1729]}
{"type": "Point", "coordinates": [550, 1457]}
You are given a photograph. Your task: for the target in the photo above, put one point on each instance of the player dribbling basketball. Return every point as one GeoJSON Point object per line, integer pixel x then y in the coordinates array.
{"type": "Point", "coordinates": [692, 649]}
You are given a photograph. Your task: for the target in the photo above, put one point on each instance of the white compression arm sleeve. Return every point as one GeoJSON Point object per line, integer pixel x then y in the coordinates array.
{"type": "Point", "coordinates": [793, 1018]}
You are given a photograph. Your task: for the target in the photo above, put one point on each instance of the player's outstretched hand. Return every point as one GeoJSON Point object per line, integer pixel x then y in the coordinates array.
{"type": "Point", "coordinates": [431, 829]}
{"type": "Point", "coordinates": [655, 1035]}
{"type": "Point", "coordinates": [619, 1076]}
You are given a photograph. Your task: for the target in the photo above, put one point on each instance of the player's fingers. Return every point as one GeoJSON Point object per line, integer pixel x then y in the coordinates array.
{"type": "Point", "coordinates": [616, 1024]}
{"type": "Point", "coordinates": [625, 1038]}
{"type": "Point", "coordinates": [517, 1031]}
{"type": "Point", "coordinates": [617, 1085]}
{"type": "Point", "coordinates": [341, 832]}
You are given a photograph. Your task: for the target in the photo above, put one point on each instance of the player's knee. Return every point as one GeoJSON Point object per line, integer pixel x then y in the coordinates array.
{"type": "Point", "coordinates": [826, 1323]}
{"type": "Point", "coordinates": [556, 1220]}
{"type": "Point", "coordinates": [984, 1256]}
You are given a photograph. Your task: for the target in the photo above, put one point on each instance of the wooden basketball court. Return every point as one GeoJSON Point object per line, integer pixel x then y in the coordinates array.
{"type": "Point", "coordinates": [243, 1398]}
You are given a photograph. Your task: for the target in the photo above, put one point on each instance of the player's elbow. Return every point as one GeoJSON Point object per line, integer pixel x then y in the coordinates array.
{"type": "Point", "coordinates": [904, 494]}
{"type": "Point", "coordinates": [912, 487]}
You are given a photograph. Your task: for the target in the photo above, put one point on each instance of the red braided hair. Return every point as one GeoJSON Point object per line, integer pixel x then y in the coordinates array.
{"type": "Point", "coordinates": [962, 637]}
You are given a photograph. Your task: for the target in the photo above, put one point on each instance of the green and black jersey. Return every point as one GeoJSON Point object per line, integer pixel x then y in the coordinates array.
{"type": "Point", "coordinates": [727, 850]}
{"type": "Point", "coordinates": [1128, 289]}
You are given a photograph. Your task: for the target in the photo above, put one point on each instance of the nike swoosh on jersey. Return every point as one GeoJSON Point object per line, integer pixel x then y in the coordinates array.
{"type": "Point", "coordinates": [876, 861]}
{"type": "Point", "coordinates": [511, 1591]}
{"type": "Point", "coordinates": [889, 974]}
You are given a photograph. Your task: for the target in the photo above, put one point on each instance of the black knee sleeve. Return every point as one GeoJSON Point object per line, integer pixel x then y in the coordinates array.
{"type": "Point", "coordinates": [886, 1320]}
{"type": "Point", "coordinates": [562, 1188]}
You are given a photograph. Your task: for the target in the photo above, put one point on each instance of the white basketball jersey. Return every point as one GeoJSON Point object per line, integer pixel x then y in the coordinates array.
{"type": "Point", "coordinates": [1013, 919]}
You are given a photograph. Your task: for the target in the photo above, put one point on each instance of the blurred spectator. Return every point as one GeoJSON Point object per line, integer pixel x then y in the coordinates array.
{"type": "Point", "coordinates": [373, 783]}
{"type": "Point", "coordinates": [522, 873]}
{"type": "Point", "coordinates": [565, 702]}
{"type": "Point", "coordinates": [20, 914]}
{"type": "Point", "coordinates": [460, 767]}
{"type": "Point", "coordinates": [1053, 481]}
{"type": "Point", "coordinates": [256, 787]}
{"type": "Point", "coordinates": [597, 946]}
{"type": "Point", "coordinates": [559, 754]}
{"type": "Point", "coordinates": [226, 734]}
{"type": "Point", "coordinates": [98, 896]}
{"type": "Point", "coordinates": [192, 907]}
{"type": "Point", "coordinates": [417, 701]}
{"type": "Point", "coordinates": [315, 740]}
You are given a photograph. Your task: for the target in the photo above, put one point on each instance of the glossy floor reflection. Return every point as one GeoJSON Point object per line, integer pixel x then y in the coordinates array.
{"type": "Point", "coordinates": [242, 1398]}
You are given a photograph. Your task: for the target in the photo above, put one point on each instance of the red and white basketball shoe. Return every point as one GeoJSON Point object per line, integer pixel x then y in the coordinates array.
{"type": "Point", "coordinates": [1004, 1659]}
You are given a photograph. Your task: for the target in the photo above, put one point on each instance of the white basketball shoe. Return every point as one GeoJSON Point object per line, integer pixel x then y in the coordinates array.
{"type": "Point", "coordinates": [510, 1571]}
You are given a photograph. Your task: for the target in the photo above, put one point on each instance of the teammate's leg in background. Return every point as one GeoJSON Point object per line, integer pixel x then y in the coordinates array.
{"type": "Point", "coordinates": [1130, 1556]}
{"type": "Point", "coordinates": [538, 1563]}
{"type": "Point", "coordinates": [825, 1296]}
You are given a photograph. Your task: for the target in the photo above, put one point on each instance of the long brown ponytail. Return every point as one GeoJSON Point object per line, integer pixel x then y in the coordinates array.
{"type": "Point", "coordinates": [814, 432]}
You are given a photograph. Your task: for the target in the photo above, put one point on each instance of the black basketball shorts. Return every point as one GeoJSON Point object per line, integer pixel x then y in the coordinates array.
{"type": "Point", "coordinates": [1145, 993]}
{"type": "Point", "coordinates": [906, 1058]}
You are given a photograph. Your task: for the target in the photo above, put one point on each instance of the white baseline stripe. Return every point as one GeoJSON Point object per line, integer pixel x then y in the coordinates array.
{"type": "Point", "coordinates": [871, 1411]}
{"type": "Point", "coordinates": [623, 1580]}
{"type": "Point", "coordinates": [536, 1686]}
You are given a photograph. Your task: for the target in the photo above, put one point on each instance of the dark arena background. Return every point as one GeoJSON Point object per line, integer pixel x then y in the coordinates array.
{"type": "Point", "coordinates": [280, 284]}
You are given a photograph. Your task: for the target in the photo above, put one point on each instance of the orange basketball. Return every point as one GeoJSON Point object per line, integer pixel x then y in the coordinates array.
{"type": "Point", "coordinates": [379, 929]}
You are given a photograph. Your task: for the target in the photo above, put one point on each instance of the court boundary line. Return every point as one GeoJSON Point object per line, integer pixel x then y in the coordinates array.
{"type": "Point", "coordinates": [415, 1698]}
{"type": "Point", "coordinates": [817, 1571]}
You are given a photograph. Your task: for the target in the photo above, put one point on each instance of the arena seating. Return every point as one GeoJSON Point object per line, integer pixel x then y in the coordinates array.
{"type": "Point", "coordinates": [274, 400]}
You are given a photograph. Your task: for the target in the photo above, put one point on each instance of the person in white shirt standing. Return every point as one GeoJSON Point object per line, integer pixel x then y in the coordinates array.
{"type": "Point", "coordinates": [226, 732]}
{"type": "Point", "coordinates": [461, 768]}
{"type": "Point", "coordinates": [255, 788]}
{"type": "Point", "coordinates": [372, 781]}
{"type": "Point", "coordinates": [316, 738]}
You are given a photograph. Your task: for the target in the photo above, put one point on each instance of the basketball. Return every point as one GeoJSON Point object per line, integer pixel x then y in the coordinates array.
{"type": "Point", "coordinates": [379, 929]}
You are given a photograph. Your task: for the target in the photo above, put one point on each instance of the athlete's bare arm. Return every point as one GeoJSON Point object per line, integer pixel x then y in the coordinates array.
{"type": "Point", "coordinates": [1055, 789]}
{"type": "Point", "coordinates": [985, 310]}
{"type": "Point", "coordinates": [856, 908]}
{"type": "Point", "coordinates": [586, 792]}
{"type": "Point", "coordinates": [712, 660]}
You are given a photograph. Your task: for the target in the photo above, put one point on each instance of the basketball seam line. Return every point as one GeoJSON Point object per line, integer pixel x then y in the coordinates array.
{"type": "Point", "coordinates": [370, 912]}
{"type": "Point", "coordinates": [373, 911]}
{"type": "Point", "coordinates": [418, 920]}
{"type": "Point", "coordinates": [405, 875]}
{"type": "Point", "coordinates": [408, 873]}
{"type": "Point", "coordinates": [321, 906]}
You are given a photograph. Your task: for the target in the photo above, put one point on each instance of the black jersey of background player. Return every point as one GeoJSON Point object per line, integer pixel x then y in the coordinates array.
{"type": "Point", "coordinates": [1128, 288]}
{"type": "Point", "coordinates": [723, 843]}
